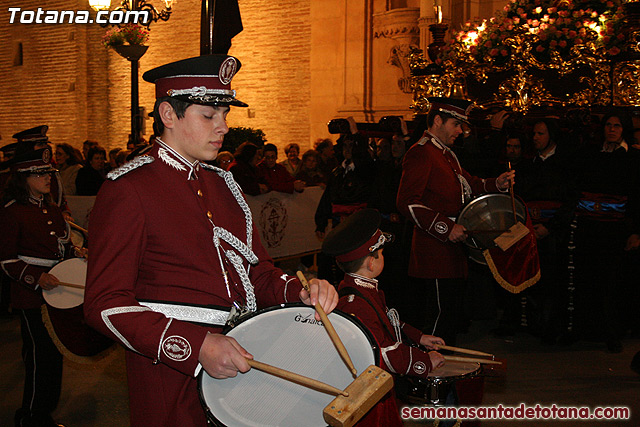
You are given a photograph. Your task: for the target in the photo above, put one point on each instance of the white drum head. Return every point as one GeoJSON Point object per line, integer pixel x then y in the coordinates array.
{"type": "Point", "coordinates": [74, 271]}
{"type": "Point", "coordinates": [288, 338]}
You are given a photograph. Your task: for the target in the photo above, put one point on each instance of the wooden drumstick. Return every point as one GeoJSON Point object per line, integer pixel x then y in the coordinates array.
{"type": "Point", "coordinates": [297, 378]}
{"type": "Point", "coordinates": [471, 359]}
{"type": "Point", "coordinates": [77, 227]}
{"type": "Point", "coordinates": [461, 350]}
{"type": "Point", "coordinates": [330, 329]}
{"type": "Point", "coordinates": [71, 285]}
{"type": "Point", "coordinates": [513, 197]}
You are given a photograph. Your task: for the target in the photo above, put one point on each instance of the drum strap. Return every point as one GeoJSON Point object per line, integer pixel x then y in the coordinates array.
{"type": "Point", "coordinates": [189, 313]}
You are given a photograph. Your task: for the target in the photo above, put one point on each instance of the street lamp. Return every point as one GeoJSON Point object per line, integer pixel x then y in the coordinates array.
{"type": "Point", "coordinates": [148, 14]}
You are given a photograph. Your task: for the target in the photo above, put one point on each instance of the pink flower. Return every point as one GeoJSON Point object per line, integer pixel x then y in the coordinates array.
{"type": "Point", "coordinates": [562, 43]}
{"type": "Point", "coordinates": [620, 36]}
{"type": "Point", "coordinates": [504, 52]}
{"type": "Point", "coordinates": [516, 20]}
{"type": "Point", "coordinates": [606, 39]}
{"type": "Point", "coordinates": [572, 34]}
{"type": "Point", "coordinates": [493, 36]}
{"type": "Point", "coordinates": [559, 34]}
{"type": "Point", "coordinates": [553, 43]}
{"type": "Point", "coordinates": [506, 8]}
{"type": "Point", "coordinates": [488, 43]}
{"type": "Point", "coordinates": [552, 10]}
{"type": "Point", "coordinates": [539, 48]}
{"type": "Point", "coordinates": [474, 50]}
{"type": "Point", "coordinates": [542, 36]}
{"type": "Point", "coordinates": [614, 51]}
{"type": "Point", "coordinates": [493, 52]}
{"type": "Point", "coordinates": [578, 41]}
{"type": "Point", "coordinates": [609, 4]}
{"type": "Point", "coordinates": [519, 11]}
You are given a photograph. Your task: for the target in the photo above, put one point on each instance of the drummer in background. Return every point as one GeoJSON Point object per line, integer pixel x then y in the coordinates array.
{"type": "Point", "coordinates": [35, 238]}
{"type": "Point", "coordinates": [174, 247]}
{"type": "Point", "coordinates": [433, 190]}
{"type": "Point", "coordinates": [36, 138]}
{"type": "Point", "coordinates": [357, 245]}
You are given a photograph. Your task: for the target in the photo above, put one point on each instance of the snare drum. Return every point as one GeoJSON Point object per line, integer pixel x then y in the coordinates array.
{"type": "Point", "coordinates": [62, 315]}
{"type": "Point", "coordinates": [488, 212]}
{"type": "Point", "coordinates": [435, 389]}
{"type": "Point", "coordinates": [288, 337]}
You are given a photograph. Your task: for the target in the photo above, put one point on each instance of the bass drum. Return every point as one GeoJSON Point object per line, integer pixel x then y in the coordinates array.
{"type": "Point", "coordinates": [488, 212]}
{"type": "Point", "coordinates": [288, 337]}
{"type": "Point", "coordinates": [62, 315]}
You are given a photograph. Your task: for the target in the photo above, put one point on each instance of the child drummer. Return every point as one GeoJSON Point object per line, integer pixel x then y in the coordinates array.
{"type": "Point", "coordinates": [357, 245]}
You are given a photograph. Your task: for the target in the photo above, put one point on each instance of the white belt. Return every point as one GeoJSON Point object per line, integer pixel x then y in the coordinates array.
{"type": "Point", "coordinates": [189, 313]}
{"type": "Point", "coordinates": [40, 262]}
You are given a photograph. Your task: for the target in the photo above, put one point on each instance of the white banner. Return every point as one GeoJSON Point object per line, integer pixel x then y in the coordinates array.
{"type": "Point", "coordinates": [285, 221]}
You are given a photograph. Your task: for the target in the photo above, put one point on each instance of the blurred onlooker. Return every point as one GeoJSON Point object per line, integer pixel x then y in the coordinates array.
{"type": "Point", "coordinates": [86, 146]}
{"type": "Point", "coordinates": [113, 153]}
{"type": "Point", "coordinates": [69, 163]}
{"type": "Point", "coordinates": [293, 162]}
{"type": "Point", "coordinates": [244, 170]}
{"type": "Point", "coordinates": [309, 171]}
{"type": "Point", "coordinates": [121, 158]}
{"type": "Point", "coordinates": [636, 139]}
{"type": "Point", "coordinates": [275, 175]}
{"type": "Point", "coordinates": [224, 160]}
{"type": "Point", "coordinates": [513, 149]}
{"type": "Point", "coordinates": [92, 175]}
{"type": "Point", "coordinates": [327, 161]}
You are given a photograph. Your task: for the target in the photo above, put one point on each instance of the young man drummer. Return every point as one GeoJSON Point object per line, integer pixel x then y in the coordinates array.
{"type": "Point", "coordinates": [174, 248]}
{"type": "Point", "coordinates": [357, 245]}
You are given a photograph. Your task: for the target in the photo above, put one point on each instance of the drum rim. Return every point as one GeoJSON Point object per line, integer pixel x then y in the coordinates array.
{"type": "Point", "coordinates": [350, 317]}
{"type": "Point", "coordinates": [441, 379]}
{"type": "Point", "coordinates": [468, 206]}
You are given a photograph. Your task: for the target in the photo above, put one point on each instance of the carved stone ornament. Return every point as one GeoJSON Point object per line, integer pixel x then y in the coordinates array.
{"type": "Point", "coordinates": [400, 25]}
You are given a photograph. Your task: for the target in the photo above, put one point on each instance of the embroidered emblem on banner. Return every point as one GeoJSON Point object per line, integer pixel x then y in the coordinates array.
{"type": "Point", "coordinates": [46, 156]}
{"type": "Point", "coordinates": [441, 227]}
{"type": "Point", "coordinates": [227, 70]}
{"type": "Point", "coordinates": [273, 221]}
{"type": "Point", "coordinates": [419, 368]}
{"type": "Point", "coordinates": [176, 348]}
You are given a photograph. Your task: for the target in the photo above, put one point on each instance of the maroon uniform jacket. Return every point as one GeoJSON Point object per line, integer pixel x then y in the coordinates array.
{"type": "Point", "coordinates": [277, 177]}
{"type": "Point", "coordinates": [35, 237]}
{"type": "Point", "coordinates": [396, 356]}
{"type": "Point", "coordinates": [431, 196]}
{"type": "Point", "coordinates": [161, 231]}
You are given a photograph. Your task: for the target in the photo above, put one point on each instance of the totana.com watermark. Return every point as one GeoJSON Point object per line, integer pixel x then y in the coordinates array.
{"type": "Point", "coordinates": [41, 16]}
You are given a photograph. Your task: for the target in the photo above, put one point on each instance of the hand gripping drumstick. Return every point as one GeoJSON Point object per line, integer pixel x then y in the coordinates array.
{"type": "Point", "coordinates": [330, 329]}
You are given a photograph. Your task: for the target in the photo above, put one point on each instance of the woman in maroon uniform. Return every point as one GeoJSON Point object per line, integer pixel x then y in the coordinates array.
{"type": "Point", "coordinates": [35, 238]}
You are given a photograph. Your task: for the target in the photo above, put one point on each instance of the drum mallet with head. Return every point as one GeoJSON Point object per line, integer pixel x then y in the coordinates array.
{"type": "Point", "coordinates": [352, 403]}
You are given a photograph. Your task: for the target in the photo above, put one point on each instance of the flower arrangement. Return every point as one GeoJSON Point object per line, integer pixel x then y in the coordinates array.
{"type": "Point", "coordinates": [133, 34]}
{"type": "Point", "coordinates": [557, 27]}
